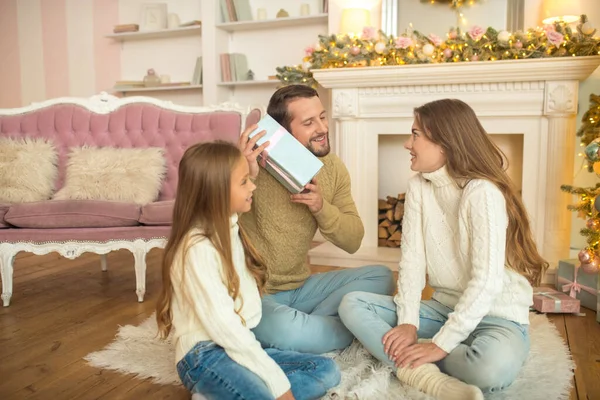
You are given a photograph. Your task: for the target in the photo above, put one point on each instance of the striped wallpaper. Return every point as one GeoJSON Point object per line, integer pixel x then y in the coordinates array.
{"type": "Point", "coordinates": [54, 48]}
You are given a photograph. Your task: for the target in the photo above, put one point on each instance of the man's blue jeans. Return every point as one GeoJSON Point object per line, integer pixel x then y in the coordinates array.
{"type": "Point", "coordinates": [489, 358]}
{"type": "Point", "coordinates": [208, 370]}
{"type": "Point", "coordinates": [306, 319]}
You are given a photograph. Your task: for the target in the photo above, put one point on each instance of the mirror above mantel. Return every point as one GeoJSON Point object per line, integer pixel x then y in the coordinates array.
{"type": "Point", "coordinates": [398, 16]}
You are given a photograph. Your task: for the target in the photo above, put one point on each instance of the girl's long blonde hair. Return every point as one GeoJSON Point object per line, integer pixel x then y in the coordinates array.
{"type": "Point", "coordinates": [471, 154]}
{"type": "Point", "coordinates": [203, 201]}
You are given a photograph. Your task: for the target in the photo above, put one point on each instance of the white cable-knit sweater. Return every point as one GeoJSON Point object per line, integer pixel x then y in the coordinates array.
{"type": "Point", "coordinates": [203, 310]}
{"type": "Point", "coordinates": [458, 237]}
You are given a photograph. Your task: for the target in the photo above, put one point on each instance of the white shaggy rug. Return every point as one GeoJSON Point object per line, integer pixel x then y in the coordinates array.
{"type": "Point", "coordinates": [546, 374]}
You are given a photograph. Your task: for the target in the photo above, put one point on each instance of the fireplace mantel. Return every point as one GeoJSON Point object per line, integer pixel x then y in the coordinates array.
{"type": "Point", "coordinates": [534, 98]}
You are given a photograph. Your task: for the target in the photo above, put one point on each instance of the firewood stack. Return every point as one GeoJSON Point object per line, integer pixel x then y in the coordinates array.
{"type": "Point", "coordinates": [391, 211]}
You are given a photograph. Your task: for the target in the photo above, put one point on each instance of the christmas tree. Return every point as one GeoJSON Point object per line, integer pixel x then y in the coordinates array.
{"type": "Point", "coordinates": [588, 206]}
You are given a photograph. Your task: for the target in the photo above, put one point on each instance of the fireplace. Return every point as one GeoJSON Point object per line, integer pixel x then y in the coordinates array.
{"type": "Point", "coordinates": [528, 106]}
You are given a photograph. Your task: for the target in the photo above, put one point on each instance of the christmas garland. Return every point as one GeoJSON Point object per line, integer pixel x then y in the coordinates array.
{"type": "Point", "coordinates": [375, 48]}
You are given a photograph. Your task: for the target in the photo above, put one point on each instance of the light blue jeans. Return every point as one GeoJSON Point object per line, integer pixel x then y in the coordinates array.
{"type": "Point", "coordinates": [306, 319]}
{"type": "Point", "coordinates": [489, 358]}
{"type": "Point", "coordinates": [207, 369]}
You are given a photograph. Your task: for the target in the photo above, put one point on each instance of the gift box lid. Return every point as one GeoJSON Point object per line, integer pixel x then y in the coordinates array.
{"type": "Point", "coordinates": [288, 160]}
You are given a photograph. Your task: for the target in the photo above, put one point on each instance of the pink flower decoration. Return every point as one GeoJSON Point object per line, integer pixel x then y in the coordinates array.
{"type": "Point", "coordinates": [476, 33]}
{"type": "Point", "coordinates": [369, 33]}
{"type": "Point", "coordinates": [309, 50]}
{"type": "Point", "coordinates": [549, 28]}
{"type": "Point", "coordinates": [403, 42]}
{"type": "Point", "coordinates": [435, 39]}
{"type": "Point", "coordinates": [555, 38]}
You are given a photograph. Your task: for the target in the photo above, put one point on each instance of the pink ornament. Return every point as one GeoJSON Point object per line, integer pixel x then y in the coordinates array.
{"type": "Point", "coordinates": [592, 223]}
{"type": "Point", "coordinates": [518, 45]}
{"type": "Point", "coordinates": [355, 50]}
{"type": "Point", "coordinates": [452, 34]}
{"type": "Point", "coordinates": [585, 256]}
{"type": "Point", "coordinates": [591, 267]}
{"type": "Point", "coordinates": [447, 53]}
{"type": "Point", "coordinates": [475, 57]}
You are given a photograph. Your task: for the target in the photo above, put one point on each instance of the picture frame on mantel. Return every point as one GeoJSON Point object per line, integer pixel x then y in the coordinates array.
{"type": "Point", "coordinates": [153, 17]}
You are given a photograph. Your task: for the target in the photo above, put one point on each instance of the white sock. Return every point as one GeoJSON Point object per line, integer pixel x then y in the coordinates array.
{"type": "Point", "coordinates": [429, 379]}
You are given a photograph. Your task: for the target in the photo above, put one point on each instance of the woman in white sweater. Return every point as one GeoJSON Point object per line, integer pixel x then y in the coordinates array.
{"type": "Point", "coordinates": [464, 226]}
{"type": "Point", "coordinates": [212, 278]}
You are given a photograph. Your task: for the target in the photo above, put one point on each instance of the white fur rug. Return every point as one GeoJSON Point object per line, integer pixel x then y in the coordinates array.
{"type": "Point", "coordinates": [545, 376]}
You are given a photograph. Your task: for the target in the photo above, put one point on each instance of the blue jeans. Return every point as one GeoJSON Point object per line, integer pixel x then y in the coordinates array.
{"type": "Point", "coordinates": [306, 319]}
{"type": "Point", "coordinates": [489, 358]}
{"type": "Point", "coordinates": [208, 370]}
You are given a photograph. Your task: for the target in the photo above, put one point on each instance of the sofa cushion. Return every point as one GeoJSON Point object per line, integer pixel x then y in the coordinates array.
{"type": "Point", "coordinates": [3, 210]}
{"type": "Point", "coordinates": [106, 173]}
{"type": "Point", "coordinates": [73, 214]}
{"type": "Point", "coordinates": [157, 213]}
{"type": "Point", "coordinates": [18, 180]}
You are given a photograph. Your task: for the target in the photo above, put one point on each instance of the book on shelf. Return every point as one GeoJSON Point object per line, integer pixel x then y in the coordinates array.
{"type": "Point", "coordinates": [235, 10]}
{"type": "Point", "coordinates": [126, 28]}
{"type": "Point", "coordinates": [190, 23]}
{"type": "Point", "coordinates": [234, 67]}
{"type": "Point", "coordinates": [197, 77]}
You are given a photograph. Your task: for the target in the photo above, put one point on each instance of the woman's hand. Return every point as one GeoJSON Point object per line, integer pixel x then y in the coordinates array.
{"type": "Point", "coordinates": [398, 339]}
{"type": "Point", "coordinates": [246, 146]}
{"type": "Point", "coordinates": [287, 396]}
{"type": "Point", "coordinates": [419, 354]}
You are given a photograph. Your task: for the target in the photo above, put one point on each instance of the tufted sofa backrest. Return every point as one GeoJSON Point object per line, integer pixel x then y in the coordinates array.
{"type": "Point", "coordinates": [135, 125]}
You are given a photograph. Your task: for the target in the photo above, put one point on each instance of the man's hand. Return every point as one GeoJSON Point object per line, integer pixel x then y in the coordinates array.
{"type": "Point", "coordinates": [419, 354]}
{"type": "Point", "coordinates": [246, 146]}
{"type": "Point", "coordinates": [287, 396]}
{"type": "Point", "coordinates": [398, 339]}
{"type": "Point", "coordinates": [313, 199]}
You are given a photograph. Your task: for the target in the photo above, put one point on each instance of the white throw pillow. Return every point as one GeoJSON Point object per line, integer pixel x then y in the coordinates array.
{"type": "Point", "coordinates": [127, 175]}
{"type": "Point", "coordinates": [28, 169]}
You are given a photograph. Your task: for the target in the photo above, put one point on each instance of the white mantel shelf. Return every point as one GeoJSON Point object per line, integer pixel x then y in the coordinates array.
{"type": "Point", "coordinates": [534, 99]}
{"type": "Point", "coordinates": [565, 68]}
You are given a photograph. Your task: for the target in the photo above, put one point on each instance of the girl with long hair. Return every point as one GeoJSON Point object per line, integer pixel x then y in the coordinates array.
{"type": "Point", "coordinates": [212, 283]}
{"type": "Point", "coordinates": [466, 227]}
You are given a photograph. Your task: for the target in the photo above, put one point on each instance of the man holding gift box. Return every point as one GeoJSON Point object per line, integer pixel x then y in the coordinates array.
{"type": "Point", "coordinates": [300, 311]}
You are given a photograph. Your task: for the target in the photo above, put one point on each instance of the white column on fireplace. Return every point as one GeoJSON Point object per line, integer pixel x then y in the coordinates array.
{"type": "Point", "coordinates": [536, 99]}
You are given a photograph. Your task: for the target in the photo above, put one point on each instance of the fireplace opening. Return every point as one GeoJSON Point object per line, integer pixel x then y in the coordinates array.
{"type": "Point", "coordinates": [391, 212]}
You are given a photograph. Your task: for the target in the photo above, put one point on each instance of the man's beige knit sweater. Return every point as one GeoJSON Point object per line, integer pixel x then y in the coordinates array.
{"type": "Point", "coordinates": [282, 231]}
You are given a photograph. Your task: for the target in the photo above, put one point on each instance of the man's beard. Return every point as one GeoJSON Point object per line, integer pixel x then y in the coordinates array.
{"type": "Point", "coordinates": [321, 151]}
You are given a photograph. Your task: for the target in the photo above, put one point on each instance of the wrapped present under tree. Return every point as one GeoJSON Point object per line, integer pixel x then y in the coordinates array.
{"type": "Point", "coordinates": [572, 280]}
{"type": "Point", "coordinates": [548, 300]}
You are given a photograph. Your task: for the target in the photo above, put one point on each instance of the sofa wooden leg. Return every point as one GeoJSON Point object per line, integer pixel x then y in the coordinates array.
{"type": "Point", "coordinates": [6, 268]}
{"type": "Point", "coordinates": [103, 262]}
{"type": "Point", "coordinates": [139, 256]}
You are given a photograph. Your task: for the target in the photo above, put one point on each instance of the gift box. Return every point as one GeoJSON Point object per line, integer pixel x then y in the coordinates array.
{"type": "Point", "coordinates": [292, 164]}
{"type": "Point", "coordinates": [548, 300]}
{"type": "Point", "coordinates": [577, 283]}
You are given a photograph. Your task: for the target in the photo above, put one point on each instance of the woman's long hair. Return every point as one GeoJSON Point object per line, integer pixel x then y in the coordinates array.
{"type": "Point", "coordinates": [203, 201]}
{"type": "Point", "coordinates": [471, 154]}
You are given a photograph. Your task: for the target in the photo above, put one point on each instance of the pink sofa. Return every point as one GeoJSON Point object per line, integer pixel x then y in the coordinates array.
{"type": "Point", "coordinates": [73, 227]}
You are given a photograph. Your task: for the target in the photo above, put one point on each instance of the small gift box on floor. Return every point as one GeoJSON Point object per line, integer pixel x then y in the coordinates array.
{"type": "Point", "coordinates": [573, 280]}
{"type": "Point", "coordinates": [548, 300]}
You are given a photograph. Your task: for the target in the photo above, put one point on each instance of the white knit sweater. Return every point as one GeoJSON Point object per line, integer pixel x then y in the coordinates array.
{"type": "Point", "coordinates": [458, 237]}
{"type": "Point", "coordinates": [203, 310]}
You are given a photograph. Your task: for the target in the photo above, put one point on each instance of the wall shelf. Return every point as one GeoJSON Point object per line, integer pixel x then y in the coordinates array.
{"type": "Point", "coordinates": [163, 33]}
{"type": "Point", "coordinates": [273, 23]}
{"type": "Point", "coordinates": [250, 83]}
{"type": "Point", "coordinates": [155, 88]}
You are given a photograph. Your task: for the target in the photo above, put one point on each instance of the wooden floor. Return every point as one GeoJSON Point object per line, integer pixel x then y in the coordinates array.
{"type": "Point", "coordinates": [64, 309]}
